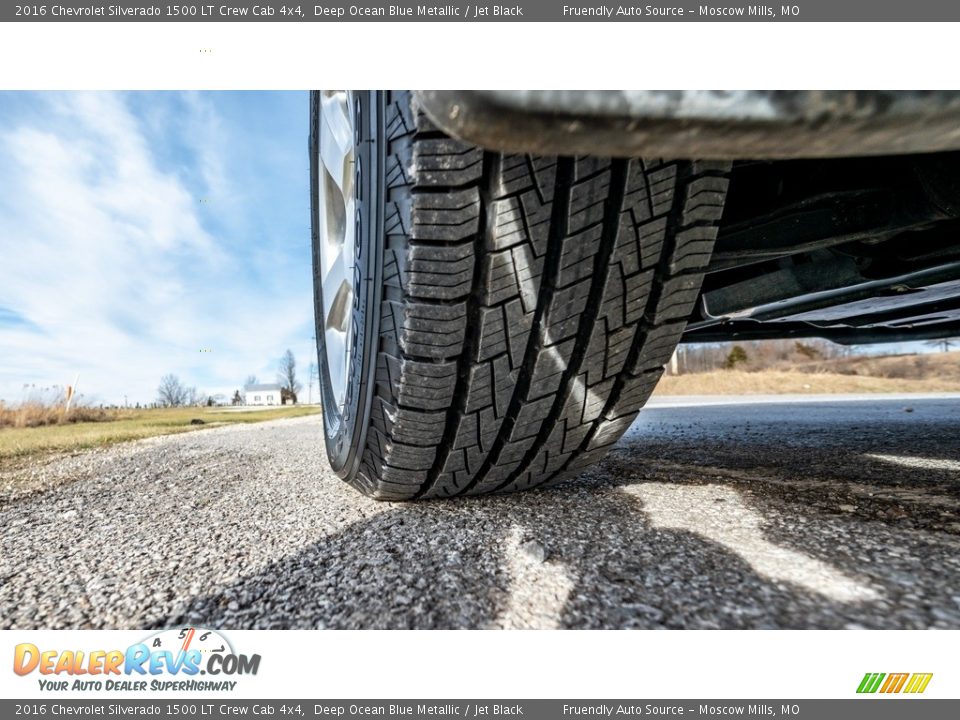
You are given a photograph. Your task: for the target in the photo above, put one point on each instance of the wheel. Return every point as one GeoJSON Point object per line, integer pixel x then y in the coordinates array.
{"type": "Point", "coordinates": [490, 322]}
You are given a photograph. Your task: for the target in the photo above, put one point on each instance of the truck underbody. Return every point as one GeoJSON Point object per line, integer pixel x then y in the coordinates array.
{"type": "Point", "coordinates": [842, 223]}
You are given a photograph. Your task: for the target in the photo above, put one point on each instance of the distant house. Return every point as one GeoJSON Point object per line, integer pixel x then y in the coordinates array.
{"type": "Point", "coordinates": [261, 394]}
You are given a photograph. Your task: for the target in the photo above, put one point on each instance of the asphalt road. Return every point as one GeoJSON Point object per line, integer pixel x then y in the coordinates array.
{"type": "Point", "coordinates": [820, 513]}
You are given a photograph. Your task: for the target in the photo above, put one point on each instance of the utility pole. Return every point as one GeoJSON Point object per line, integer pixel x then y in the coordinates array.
{"type": "Point", "coordinates": [311, 374]}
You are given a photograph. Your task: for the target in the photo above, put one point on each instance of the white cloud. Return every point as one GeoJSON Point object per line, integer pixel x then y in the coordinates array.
{"type": "Point", "coordinates": [104, 251]}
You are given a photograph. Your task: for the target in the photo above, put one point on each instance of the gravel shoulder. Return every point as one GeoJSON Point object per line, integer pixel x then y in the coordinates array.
{"type": "Point", "coordinates": [768, 514]}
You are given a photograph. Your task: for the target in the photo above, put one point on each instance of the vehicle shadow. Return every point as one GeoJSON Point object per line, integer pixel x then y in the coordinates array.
{"type": "Point", "coordinates": [671, 542]}
{"type": "Point", "coordinates": [900, 465]}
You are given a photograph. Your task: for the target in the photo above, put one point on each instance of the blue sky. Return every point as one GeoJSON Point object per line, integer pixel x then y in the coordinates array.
{"type": "Point", "coordinates": [137, 229]}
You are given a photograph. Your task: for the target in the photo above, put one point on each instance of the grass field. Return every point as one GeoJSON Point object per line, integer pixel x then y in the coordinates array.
{"type": "Point", "coordinates": [926, 373]}
{"type": "Point", "coordinates": [941, 367]}
{"type": "Point", "coordinates": [19, 442]}
{"type": "Point", "coordinates": [777, 382]}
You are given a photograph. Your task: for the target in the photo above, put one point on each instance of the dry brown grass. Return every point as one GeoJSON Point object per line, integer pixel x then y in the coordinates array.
{"type": "Point", "coordinates": [944, 366]}
{"type": "Point", "coordinates": [777, 382]}
{"type": "Point", "coordinates": [930, 372]}
{"type": "Point", "coordinates": [37, 414]}
{"type": "Point", "coordinates": [122, 425]}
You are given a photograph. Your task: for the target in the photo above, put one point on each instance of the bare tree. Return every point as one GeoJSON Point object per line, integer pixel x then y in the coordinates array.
{"type": "Point", "coordinates": [287, 377]}
{"type": "Point", "coordinates": [251, 380]}
{"type": "Point", "coordinates": [172, 392]}
{"type": "Point", "coordinates": [943, 343]}
{"type": "Point", "coordinates": [195, 397]}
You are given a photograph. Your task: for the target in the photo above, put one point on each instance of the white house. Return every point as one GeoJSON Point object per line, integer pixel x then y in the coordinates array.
{"type": "Point", "coordinates": [261, 395]}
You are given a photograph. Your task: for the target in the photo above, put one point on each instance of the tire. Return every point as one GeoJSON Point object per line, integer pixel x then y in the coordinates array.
{"type": "Point", "coordinates": [516, 312]}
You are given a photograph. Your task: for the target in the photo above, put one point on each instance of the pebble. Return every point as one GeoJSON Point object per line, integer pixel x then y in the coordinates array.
{"type": "Point", "coordinates": [534, 551]}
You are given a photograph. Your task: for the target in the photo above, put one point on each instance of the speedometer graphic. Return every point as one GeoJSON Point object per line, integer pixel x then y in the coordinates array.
{"type": "Point", "coordinates": [182, 640]}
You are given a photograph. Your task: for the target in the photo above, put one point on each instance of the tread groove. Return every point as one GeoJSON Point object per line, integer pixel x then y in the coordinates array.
{"type": "Point", "coordinates": [563, 186]}
{"type": "Point", "coordinates": [470, 350]}
{"type": "Point", "coordinates": [644, 327]}
{"type": "Point", "coordinates": [601, 269]}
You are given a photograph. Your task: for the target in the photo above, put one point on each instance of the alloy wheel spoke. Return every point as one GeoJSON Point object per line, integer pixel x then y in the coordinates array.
{"type": "Point", "coordinates": [338, 287]}
{"type": "Point", "coordinates": [337, 233]}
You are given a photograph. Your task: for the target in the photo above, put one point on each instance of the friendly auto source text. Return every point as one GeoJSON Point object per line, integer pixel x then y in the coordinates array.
{"type": "Point", "coordinates": [609, 11]}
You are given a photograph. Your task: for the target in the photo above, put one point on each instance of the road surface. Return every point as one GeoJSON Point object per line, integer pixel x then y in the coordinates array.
{"type": "Point", "coordinates": [772, 513]}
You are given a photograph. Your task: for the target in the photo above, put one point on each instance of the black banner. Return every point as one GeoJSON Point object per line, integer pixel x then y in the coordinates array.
{"type": "Point", "coordinates": [210, 708]}
{"type": "Point", "coordinates": [524, 11]}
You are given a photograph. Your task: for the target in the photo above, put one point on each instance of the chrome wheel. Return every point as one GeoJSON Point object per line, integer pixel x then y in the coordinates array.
{"type": "Point", "coordinates": [337, 232]}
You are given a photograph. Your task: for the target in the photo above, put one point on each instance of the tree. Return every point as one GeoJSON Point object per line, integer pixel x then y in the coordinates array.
{"type": "Point", "coordinates": [943, 343]}
{"type": "Point", "coordinates": [287, 377]}
{"type": "Point", "coordinates": [237, 400]}
{"type": "Point", "coordinates": [195, 397]}
{"type": "Point", "coordinates": [737, 356]}
{"type": "Point", "coordinates": [251, 380]}
{"type": "Point", "coordinates": [172, 392]}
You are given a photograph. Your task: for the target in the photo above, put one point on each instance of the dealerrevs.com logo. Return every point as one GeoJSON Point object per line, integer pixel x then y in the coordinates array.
{"type": "Point", "coordinates": [889, 683]}
{"type": "Point", "coordinates": [168, 660]}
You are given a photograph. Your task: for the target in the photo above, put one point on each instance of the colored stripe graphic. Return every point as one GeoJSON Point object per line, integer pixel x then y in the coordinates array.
{"type": "Point", "coordinates": [870, 682]}
{"type": "Point", "coordinates": [900, 684]}
{"type": "Point", "coordinates": [918, 682]}
{"type": "Point", "coordinates": [895, 682]}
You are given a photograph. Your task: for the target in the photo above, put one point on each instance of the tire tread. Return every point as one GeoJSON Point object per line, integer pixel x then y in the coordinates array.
{"type": "Point", "coordinates": [530, 304]}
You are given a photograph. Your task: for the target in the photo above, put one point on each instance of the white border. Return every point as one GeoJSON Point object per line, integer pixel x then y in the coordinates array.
{"type": "Point", "coordinates": [760, 664]}
{"type": "Point", "coordinates": [802, 664]}
{"type": "Point", "coordinates": [478, 55]}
